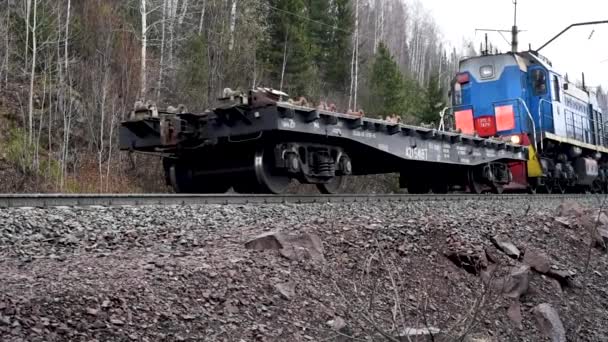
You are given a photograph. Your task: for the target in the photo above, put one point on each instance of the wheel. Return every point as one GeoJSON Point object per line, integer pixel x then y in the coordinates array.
{"type": "Point", "coordinates": [334, 186]}
{"type": "Point", "coordinates": [533, 186]}
{"type": "Point", "coordinates": [560, 188]}
{"type": "Point", "coordinates": [184, 181]}
{"type": "Point", "coordinates": [498, 188]}
{"type": "Point", "coordinates": [597, 187]}
{"type": "Point", "coordinates": [180, 178]}
{"type": "Point", "coordinates": [269, 179]}
{"type": "Point", "coordinates": [475, 187]}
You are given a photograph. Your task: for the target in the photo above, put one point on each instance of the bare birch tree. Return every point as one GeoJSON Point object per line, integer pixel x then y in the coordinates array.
{"type": "Point", "coordinates": [32, 28]}
{"type": "Point", "coordinates": [202, 20]}
{"type": "Point", "coordinates": [144, 48]}
{"type": "Point", "coordinates": [161, 64]}
{"type": "Point", "coordinates": [184, 11]}
{"type": "Point", "coordinates": [354, 83]}
{"type": "Point", "coordinates": [232, 24]}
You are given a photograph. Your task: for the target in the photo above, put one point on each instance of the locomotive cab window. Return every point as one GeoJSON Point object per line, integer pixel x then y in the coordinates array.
{"type": "Point", "coordinates": [539, 78]}
{"type": "Point", "coordinates": [556, 88]}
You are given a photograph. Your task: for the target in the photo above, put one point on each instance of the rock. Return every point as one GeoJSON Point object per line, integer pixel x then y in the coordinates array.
{"type": "Point", "coordinates": [514, 314]}
{"type": "Point", "coordinates": [564, 221]}
{"type": "Point", "coordinates": [92, 312]}
{"type": "Point", "coordinates": [549, 323]}
{"type": "Point", "coordinates": [565, 278]}
{"type": "Point", "coordinates": [506, 246]}
{"type": "Point", "coordinates": [539, 261]}
{"type": "Point", "coordinates": [601, 218]}
{"type": "Point", "coordinates": [293, 247]}
{"type": "Point", "coordinates": [287, 290]}
{"type": "Point", "coordinates": [491, 257]}
{"type": "Point", "coordinates": [337, 324]}
{"type": "Point", "coordinates": [478, 338]}
{"type": "Point", "coordinates": [570, 208]}
{"type": "Point", "coordinates": [419, 335]}
{"type": "Point", "coordinates": [600, 238]}
{"type": "Point", "coordinates": [116, 321]}
{"type": "Point", "coordinates": [515, 284]}
{"type": "Point", "coordinates": [556, 285]}
{"type": "Point", "coordinates": [471, 261]}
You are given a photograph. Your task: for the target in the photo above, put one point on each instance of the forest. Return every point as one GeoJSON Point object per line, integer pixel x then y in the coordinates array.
{"type": "Point", "coordinates": [71, 71]}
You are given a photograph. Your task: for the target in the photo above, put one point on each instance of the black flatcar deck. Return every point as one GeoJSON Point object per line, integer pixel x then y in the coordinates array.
{"type": "Point", "coordinates": [310, 145]}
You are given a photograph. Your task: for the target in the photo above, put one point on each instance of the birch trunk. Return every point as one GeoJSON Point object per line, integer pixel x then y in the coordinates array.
{"type": "Point", "coordinates": [232, 24]}
{"type": "Point", "coordinates": [144, 47]}
{"type": "Point", "coordinates": [110, 148]}
{"type": "Point", "coordinates": [67, 36]}
{"type": "Point", "coordinates": [32, 80]}
{"type": "Point", "coordinates": [162, 51]}
{"type": "Point", "coordinates": [202, 21]}
{"type": "Point", "coordinates": [284, 60]}
{"type": "Point", "coordinates": [104, 94]}
{"type": "Point", "coordinates": [356, 85]}
{"type": "Point", "coordinates": [172, 15]}
{"type": "Point", "coordinates": [28, 9]}
{"type": "Point", "coordinates": [184, 10]}
{"type": "Point", "coordinates": [6, 42]}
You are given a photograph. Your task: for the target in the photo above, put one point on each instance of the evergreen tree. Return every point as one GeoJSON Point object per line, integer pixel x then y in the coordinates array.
{"type": "Point", "coordinates": [193, 71]}
{"type": "Point", "coordinates": [337, 68]}
{"type": "Point", "coordinates": [435, 100]}
{"type": "Point", "coordinates": [387, 86]}
{"type": "Point", "coordinates": [286, 50]}
{"type": "Point", "coordinates": [319, 31]}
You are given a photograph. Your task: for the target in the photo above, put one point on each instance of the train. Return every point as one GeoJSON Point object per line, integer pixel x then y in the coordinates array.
{"type": "Point", "coordinates": [514, 123]}
{"type": "Point", "coordinates": [520, 97]}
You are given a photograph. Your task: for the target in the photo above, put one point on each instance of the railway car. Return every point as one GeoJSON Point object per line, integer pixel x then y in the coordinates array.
{"type": "Point", "coordinates": [257, 142]}
{"type": "Point", "coordinates": [520, 98]}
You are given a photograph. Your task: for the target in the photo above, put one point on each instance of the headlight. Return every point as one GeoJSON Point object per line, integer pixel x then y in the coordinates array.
{"type": "Point", "coordinates": [486, 71]}
{"type": "Point", "coordinates": [515, 139]}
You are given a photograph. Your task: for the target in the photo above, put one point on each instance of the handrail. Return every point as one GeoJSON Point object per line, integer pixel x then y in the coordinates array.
{"type": "Point", "coordinates": [441, 126]}
{"type": "Point", "coordinates": [443, 112]}
{"type": "Point", "coordinates": [532, 120]}
{"type": "Point", "coordinates": [540, 116]}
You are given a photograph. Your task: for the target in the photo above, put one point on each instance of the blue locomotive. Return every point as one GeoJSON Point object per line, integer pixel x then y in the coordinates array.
{"type": "Point", "coordinates": [519, 97]}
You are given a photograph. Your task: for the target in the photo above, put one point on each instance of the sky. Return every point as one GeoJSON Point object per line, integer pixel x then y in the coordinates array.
{"type": "Point", "coordinates": [572, 53]}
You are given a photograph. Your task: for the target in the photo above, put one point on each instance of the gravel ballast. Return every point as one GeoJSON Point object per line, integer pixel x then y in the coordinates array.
{"type": "Point", "coordinates": [183, 273]}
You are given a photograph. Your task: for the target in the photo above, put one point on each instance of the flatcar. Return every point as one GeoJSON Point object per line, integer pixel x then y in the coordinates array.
{"type": "Point", "coordinates": [519, 97]}
{"type": "Point", "coordinates": [257, 142]}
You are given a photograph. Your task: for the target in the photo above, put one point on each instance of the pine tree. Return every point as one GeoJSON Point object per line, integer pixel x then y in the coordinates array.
{"type": "Point", "coordinates": [193, 70]}
{"type": "Point", "coordinates": [435, 100]}
{"type": "Point", "coordinates": [286, 51]}
{"type": "Point", "coordinates": [339, 48]}
{"type": "Point", "coordinates": [319, 31]}
{"type": "Point", "coordinates": [387, 87]}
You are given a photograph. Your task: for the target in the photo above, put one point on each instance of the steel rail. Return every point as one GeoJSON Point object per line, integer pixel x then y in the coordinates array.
{"type": "Point", "coordinates": [79, 200]}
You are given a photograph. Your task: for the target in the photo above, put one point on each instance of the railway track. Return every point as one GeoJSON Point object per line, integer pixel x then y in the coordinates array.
{"type": "Point", "coordinates": [71, 200]}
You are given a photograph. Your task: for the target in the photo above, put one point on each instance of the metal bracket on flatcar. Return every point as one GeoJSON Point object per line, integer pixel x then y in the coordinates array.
{"type": "Point", "coordinates": [312, 116]}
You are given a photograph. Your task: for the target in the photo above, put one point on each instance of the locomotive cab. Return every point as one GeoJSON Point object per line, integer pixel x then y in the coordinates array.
{"type": "Point", "coordinates": [520, 98]}
{"type": "Point", "coordinates": [490, 99]}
